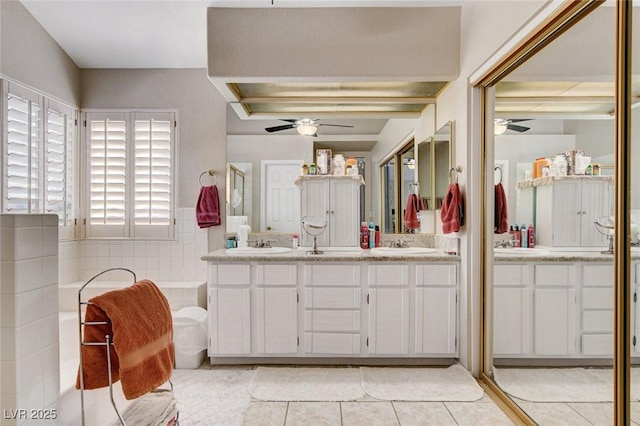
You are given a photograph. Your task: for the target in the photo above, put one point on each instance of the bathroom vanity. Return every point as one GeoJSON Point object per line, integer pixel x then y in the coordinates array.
{"type": "Point", "coordinates": [338, 304]}
{"type": "Point", "coordinates": [558, 305]}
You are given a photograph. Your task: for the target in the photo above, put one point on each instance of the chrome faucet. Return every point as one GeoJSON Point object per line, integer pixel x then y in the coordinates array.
{"type": "Point", "coordinates": [400, 243]}
{"type": "Point", "coordinates": [504, 244]}
{"type": "Point", "coordinates": [261, 243]}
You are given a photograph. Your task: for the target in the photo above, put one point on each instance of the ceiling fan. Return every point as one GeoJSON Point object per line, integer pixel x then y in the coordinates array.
{"type": "Point", "coordinates": [501, 125]}
{"type": "Point", "coordinates": [304, 126]}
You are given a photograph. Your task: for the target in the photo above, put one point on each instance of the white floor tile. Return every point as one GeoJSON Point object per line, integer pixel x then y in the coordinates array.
{"type": "Point", "coordinates": [313, 414]}
{"type": "Point", "coordinates": [368, 414]}
{"type": "Point", "coordinates": [266, 413]}
{"type": "Point", "coordinates": [478, 414]}
{"type": "Point", "coordinates": [423, 413]}
{"type": "Point", "coordinates": [598, 413]}
{"type": "Point", "coordinates": [550, 413]}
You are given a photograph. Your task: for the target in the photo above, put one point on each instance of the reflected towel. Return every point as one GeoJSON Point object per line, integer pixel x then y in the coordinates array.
{"type": "Point", "coordinates": [208, 207]}
{"type": "Point", "coordinates": [411, 212]}
{"type": "Point", "coordinates": [452, 213]}
{"type": "Point", "coordinates": [140, 323]}
{"type": "Point", "coordinates": [501, 224]}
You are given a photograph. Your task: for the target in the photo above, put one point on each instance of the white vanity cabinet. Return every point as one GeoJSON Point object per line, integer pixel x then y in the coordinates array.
{"type": "Point", "coordinates": [567, 209]}
{"type": "Point", "coordinates": [597, 309]}
{"type": "Point", "coordinates": [512, 309]}
{"type": "Point", "coordinates": [435, 309]}
{"type": "Point", "coordinates": [276, 309]}
{"type": "Point", "coordinates": [229, 309]}
{"type": "Point", "coordinates": [388, 309]}
{"type": "Point", "coordinates": [336, 198]}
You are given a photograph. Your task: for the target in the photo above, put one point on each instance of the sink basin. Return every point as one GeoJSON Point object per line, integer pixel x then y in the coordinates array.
{"type": "Point", "coordinates": [520, 251]}
{"type": "Point", "coordinates": [257, 250]}
{"type": "Point", "coordinates": [401, 251]}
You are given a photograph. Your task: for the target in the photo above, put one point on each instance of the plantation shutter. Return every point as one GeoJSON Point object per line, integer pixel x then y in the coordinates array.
{"type": "Point", "coordinates": [152, 201]}
{"type": "Point", "coordinates": [106, 180]}
{"type": "Point", "coordinates": [59, 143]}
{"type": "Point", "coordinates": [23, 188]}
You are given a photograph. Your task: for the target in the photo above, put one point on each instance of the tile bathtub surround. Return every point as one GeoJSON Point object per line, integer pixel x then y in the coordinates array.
{"type": "Point", "coordinates": [156, 260]}
{"type": "Point", "coordinates": [29, 313]}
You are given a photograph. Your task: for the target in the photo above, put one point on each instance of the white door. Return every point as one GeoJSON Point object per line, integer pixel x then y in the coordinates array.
{"type": "Point", "coordinates": [389, 321]}
{"type": "Point", "coordinates": [280, 197]}
{"type": "Point", "coordinates": [277, 320]}
{"type": "Point", "coordinates": [554, 324]}
{"type": "Point", "coordinates": [344, 213]}
{"type": "Point", "coordinates": [436, 320]}
{"type": "Point", "coordinates": [229, 321]}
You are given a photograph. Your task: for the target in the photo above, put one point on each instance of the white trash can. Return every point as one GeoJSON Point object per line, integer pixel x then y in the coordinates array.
{"type": "Point", "coordinates": [190, 336]}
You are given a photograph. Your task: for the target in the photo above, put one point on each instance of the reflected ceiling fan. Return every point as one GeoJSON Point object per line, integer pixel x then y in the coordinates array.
{"type": "Point", "coordinates": [501, 125]}
{"type": "Point", "coordinates": [304, 126]}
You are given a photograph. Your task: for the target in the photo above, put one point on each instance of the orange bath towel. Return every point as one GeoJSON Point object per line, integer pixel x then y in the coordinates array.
{"type": "Point", "coordinates": [142, 355]}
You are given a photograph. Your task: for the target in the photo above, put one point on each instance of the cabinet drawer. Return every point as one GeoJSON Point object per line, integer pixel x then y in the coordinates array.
{"type": "Point", "coordinates": [388, 275]}
{"type": "Point", "coordinates": [597, 321]}
{"type": "Point", "coordinates": [597, 275]}
{"type": "Point", "coordinates": [332, 298]}
{"type": "Point", "coordinates": [333, 275]}
{"type": "Point", "coordinates": [513, 275]}
{"type": "Point", "coordinates": [332, 343]}
{"type": "Point", "coordinates": [436, 275]}
{"type": "Point", "coordinates": [556, 275]}
{"type": "Point", "coordinates": [597, 298]}
{"type": "Point", "coordinates": [276, 275]}
{"type": "Point", "coordinates": [315, 320]}
{"type": "Point", "coordinates": [597, 344]}
{"type": "Point", "coordinates": [230, 274]}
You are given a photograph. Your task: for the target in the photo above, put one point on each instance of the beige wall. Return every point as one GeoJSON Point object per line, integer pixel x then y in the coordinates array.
{"type": "Point", "coordinates": [30, 56]}
{"type": "Point", "coordinates": [201, 120]}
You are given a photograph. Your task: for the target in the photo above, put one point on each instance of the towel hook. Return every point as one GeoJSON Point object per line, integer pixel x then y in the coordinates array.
{"type": "Point", "coordinates": [210, 172]}
{"type": "Point", "coordinates": [455, 171]}
{"type": "Point", "coordinates": [499, 169]}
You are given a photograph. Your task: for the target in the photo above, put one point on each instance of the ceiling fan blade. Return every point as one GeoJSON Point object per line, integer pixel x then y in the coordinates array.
{"type": "Point", "coordinates": [333, 125]}
{"type": "Point", "coordinates": [517, 128]}
{"type": "Point", "coordinates": [518, 120]}
{"type": "Point", "coordinates": [278, 128]}
{"type": "Point", "coordinates": [289, 120]}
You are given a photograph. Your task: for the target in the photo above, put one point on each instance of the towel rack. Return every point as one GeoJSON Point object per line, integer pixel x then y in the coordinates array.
{"type": "Point", "coordinates": [210, 172]}
{"type": "Point", "coordinates": [415, 186]}
{"type": "Point", "coordinates": [499, 169]}
{"type": "Point", "coordinates": [107, 344]}
{"type": "Point", "coordinates": [456, 170]}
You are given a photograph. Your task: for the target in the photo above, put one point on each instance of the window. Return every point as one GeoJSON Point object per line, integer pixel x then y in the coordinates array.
{"type": "Point", "coordinates": [130, 174]}
{"type": "Point", "coordinates": [38, 156]}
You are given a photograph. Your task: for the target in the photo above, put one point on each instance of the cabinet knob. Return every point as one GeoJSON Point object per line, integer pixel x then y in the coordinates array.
{"type": "Point", "coordinates": [332, 212]}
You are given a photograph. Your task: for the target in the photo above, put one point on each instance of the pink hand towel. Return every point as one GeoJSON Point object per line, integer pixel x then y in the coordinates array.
{"type": "Point", "coordinates": [501, 224]}
{"type": "Point", "coordinates": [452, 213]}
{"type": "Point", "coordinates": [208, 207]}
{"type": "Point", "coordinates": [411, 213]}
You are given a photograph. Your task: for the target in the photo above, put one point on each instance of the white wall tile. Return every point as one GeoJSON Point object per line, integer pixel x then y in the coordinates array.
{"type": "Point", "coordinates": [7, 249]}
{"type": "Point", "coordinates": [102, 249]}
{"type": "Point", "coordinates": [127, 249]}
{"type": "Point", "coordinates": [115, 250]}
{"type": "Point", "coordinates": [28, 274]}
{"type": "Point", "coordinates": [164, 249]}
{"type": "Point", "coordinates": [49, 270]}
{"type": "Point", "coordinates": [28, 220]}
{"type": "Point", "coordinates": [29, 372]}
{"type": "Point", "coordinates": [50, 330]}
{"type": "Point", "coordinates": [32, 397]}
{"type": "Point", "coordinates": [28, 243]}
{"type": "Point", "coordinates": [152, 249]}
{"type": "Point", "coordinates": [89, 249]}
{"type": "Point", "coordinates": [8, 344]}
{"type": "Point", "coordinates": [28, 307]}
{"type": "Point", "coordinates": [7, 278]}
{"type": "Point", "coordinates": [50, 220]}
{"type": "Point", "coordinates": [28, 339]}
{"type": "Point", "coordinates": [51, 387]}
{"type": "Point", "coordinates": [177, 251]}
{"type": "Point", "coordinates": [50, 300]}
{"type": "Point", "coordinates": [9, 382]}
{"type": "Point", "coordinates": [49, 240]}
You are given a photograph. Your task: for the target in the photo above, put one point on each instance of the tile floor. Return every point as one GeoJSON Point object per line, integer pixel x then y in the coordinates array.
{"type": "Point", "coordinates": [371, 412]}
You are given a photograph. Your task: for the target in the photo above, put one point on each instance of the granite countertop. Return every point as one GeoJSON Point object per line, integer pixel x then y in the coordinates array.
{"type": "Point", "coordinates": [328, 256]}
{"type": "Point", "coordinates": [556, 255]}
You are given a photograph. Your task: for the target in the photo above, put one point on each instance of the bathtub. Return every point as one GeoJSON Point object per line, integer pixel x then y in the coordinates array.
{"type": "Point", "coordinates": [97, 402]}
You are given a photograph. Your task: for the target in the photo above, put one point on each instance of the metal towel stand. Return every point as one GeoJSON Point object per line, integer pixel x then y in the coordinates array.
{"type": "Point", "coordinates": [107, 344]}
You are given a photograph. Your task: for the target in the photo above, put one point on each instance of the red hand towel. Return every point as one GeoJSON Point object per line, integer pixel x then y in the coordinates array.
{"type": "Point", "coordinates": [208, 207]}
{"type": "Point", "coordinates": [411, 213]}
{"type": "Point", "coordinates": [501, 224]}
{"type": "Point", "coordinates": [452, 213]}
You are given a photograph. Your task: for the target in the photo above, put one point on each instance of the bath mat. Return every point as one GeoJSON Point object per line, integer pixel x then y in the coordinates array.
{"type": "Point", "coordinates": [556, 384]}
{"type": "Point", "coordinates": [306, 384]}
{"type": "Point", "coordinates": [212, 397]}
{"type": "Point", "coordinates": [421, 384]}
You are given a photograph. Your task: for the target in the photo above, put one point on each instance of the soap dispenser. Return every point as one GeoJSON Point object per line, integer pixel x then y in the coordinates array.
{"type": "Point", "coordinates": [243, 235]}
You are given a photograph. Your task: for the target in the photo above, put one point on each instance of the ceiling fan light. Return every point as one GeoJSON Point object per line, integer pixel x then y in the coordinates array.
{"type": "Point", "coordinates": [307, 130]}
{"type": "Point", "coordinates": [499, 128]}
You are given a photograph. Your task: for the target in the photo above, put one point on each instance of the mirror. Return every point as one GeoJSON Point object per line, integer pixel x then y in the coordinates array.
{"type": "Point", "coordinates": [435, 159]}
{"type": "Point", "coordinates": [238, 195]}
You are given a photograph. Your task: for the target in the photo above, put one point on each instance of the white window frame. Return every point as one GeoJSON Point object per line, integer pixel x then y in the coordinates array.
{"type": "Point", "coordinates": [128, 230]}
{"type": "Point", "coordinates": [66, 229]}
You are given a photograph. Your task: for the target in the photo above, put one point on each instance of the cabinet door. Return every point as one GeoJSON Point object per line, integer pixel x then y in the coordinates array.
{"type": "Point", "coordinates": [567, 213]}
{"type": "Point", "coordinates": [277, 320]}
{"type": "Point", "coordinates": [554, 323]}
{"type": "Point", "coordinates": [511, 320]}
{"type": "Point", "coordinates": [389, 321]}
{"type": "Point", "coordinates": [436, 320]}
{"type": "Point", "coordinates": [229, 321]}
{"type": "Point", "coordinates": [344, 213]}
{"type": "Point", "coordinates": [596, 202]}
{"type": "Point", "coordinates": [315, 202]}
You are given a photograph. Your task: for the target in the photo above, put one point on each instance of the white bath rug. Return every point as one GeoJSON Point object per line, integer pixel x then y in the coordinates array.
{"type": "Point", "coordinates": [556, 384]}
{"type": "Point", "coordinates": [306, 384]}
{"type": "Point", "coordinates": [212, 397]}
{"type": "Point", "coordinates": [421, 384]}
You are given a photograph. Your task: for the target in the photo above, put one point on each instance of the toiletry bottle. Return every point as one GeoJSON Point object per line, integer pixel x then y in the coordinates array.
{"type": "Point", "coordinates": [532, 236]}
{"type": "Point", "coordinates": [372, 235]}
{"type": "Point", "coordinates": [294, 245]}
{"type": "Point", "coordinates": [364, 235]}
{"type": "Point", "coordinates": [524, 239]}
{"type": "Point", "coordinates": [512, 233]}
{"type": "Point", "coordinates": [517, 235]}
{"type": "Point", "coordinates": [377, 236]}
{"type": "Point", "coordinates": [243, 235]}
